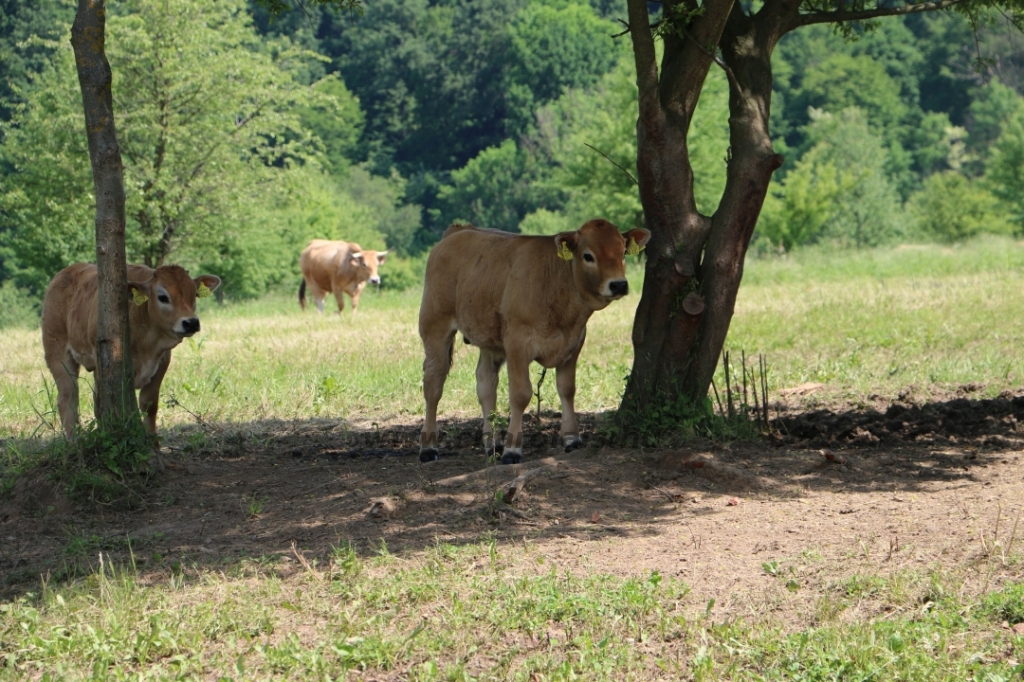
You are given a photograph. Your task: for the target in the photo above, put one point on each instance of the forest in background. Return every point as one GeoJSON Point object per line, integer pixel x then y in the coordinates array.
{"type": "Point", "coordinates": [244, 137]}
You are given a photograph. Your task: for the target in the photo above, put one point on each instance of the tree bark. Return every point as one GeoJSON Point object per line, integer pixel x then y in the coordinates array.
{"type": "Point", "coordinates": [115, 394]}
{"type": "Point", "coordinates": [694, 262]}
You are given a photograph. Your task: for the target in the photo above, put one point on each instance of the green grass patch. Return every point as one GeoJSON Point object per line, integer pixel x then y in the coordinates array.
{"type": "Point", "coordinates": [466, 613]}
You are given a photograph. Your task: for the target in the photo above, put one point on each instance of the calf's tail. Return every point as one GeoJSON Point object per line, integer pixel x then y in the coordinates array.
{"type": "Point", "coordinates": [302, 293]}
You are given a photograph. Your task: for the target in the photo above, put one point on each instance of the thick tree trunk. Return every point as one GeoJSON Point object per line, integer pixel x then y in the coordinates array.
{"type": "Point", "coordinates": [115, 394]}
{"type": "Point", "coordinates": [694, 262]}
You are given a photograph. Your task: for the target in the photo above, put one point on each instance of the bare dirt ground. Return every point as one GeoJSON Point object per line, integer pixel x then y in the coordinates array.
{"type": "Point", "coordinates": [837, 491]}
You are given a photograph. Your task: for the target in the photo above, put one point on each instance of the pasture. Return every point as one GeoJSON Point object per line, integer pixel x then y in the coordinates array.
{"type": "Point", "coordinates": [301, 538]}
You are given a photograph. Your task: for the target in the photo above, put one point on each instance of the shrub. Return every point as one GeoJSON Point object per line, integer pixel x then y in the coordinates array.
{"type": "Point", "coordinates": [952, 208]}
{"type": "Point", "coordinates": [17, 307]}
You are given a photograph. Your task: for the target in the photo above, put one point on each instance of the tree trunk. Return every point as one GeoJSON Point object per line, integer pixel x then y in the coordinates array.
{"type": "Point", "coordinates": [115, 394]}
{"type": "Point", "coordinates": [694, 262]}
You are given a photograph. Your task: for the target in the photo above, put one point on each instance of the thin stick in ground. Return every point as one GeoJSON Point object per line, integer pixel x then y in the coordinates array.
{"type": "Point", "coordinates": [746, 401]}
{"type": "Point", "coordinates": [718, 400]}
{"type": "Point", "coordinates": [728, 382]}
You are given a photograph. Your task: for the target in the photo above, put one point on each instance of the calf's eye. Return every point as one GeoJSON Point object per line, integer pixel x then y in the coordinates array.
{"type": "Point", "coordinates": [587, 257]}
{"type": "Point", "coordinates": [163, 298]}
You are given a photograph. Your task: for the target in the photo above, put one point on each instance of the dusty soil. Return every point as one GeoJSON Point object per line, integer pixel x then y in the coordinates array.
{"type": "Point", "coordinates": [836, 491]}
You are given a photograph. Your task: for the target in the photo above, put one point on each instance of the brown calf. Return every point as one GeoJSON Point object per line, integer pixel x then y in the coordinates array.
{"type": "Point", "coordinates": [520, 299]}
{"type": "Point", "coordinates": [338, 267]}
{"type": "Point", "coordinates": [161, 315]}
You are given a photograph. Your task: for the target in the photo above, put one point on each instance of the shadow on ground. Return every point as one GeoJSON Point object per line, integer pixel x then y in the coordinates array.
{"type": "Point", "coordinates": [271, 489]}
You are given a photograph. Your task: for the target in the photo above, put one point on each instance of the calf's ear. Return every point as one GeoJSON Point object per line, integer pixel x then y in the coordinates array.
{"type": "Point", "coordinates": [381, 256]}
{"type": "Point", "coordinates": [139, 291]}
{"type": "Point", "coordinates": [205, 285]}
{"type": "Point", "coordinates": [636, 240]}
{"type": "Point", "coordinates": [357, 257]}
{"type": "Point", "coordinates": [566, 243]}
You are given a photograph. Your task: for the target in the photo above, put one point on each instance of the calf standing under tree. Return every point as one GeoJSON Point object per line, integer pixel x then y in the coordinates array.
{"type": "Point", "coordinates": [519, 299]}
{"type": "Point", "coordinates": [163, 313]}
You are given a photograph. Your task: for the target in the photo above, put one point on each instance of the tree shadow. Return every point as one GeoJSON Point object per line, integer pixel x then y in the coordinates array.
{"type": "Point", "coordinates": [264, 490]}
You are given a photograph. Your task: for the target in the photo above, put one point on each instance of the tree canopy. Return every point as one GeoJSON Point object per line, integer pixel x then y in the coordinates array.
{"type": "Point", "coordinates": [516, 114]}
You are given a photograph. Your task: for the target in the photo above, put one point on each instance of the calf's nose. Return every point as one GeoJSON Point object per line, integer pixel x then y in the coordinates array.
{"type": "Point", "coordinates": [618, 287]}
{"type": "Point", "coordinates": [190, 325]}
{"type": "Point", "coordinates": [375, 280]}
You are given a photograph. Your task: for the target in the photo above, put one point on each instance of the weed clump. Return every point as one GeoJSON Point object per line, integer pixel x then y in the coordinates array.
{"type": "Point", "coordinates": [108, 466]}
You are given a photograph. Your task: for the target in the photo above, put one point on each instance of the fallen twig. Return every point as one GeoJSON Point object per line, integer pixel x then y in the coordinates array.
{"type": "Point", "coordinates": [305, 564]}
{"type": "Point", "coordinates": [509, 492]}
{"type": "Point", "coordinates": [496, 469]}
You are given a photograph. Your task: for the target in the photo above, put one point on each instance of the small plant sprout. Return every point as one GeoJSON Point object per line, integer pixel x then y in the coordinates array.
{"type": "Point", "coordinates": [253, 505]}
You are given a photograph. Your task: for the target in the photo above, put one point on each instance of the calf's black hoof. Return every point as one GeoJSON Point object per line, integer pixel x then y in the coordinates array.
{"type": "Point", "coordinates": [512, 458]}
{"type": "Point", "coordinates": [428, 455]}
{"type": "Point", "coordinates": [575, 445]}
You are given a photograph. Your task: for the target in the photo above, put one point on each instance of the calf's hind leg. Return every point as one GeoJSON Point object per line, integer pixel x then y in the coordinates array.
{"type": "Point", "coordinates": [437, 361]}
{"type": "Point", "coordinates": [487, 368]}
{"type": "Point", "coordinates": [64, 369]}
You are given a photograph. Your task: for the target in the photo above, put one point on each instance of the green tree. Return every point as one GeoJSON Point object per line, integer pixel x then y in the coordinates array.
{"type": "Point", "coordinates": [552, 49]}
{"type": "Point", "coordinates": [868, 210]}
{"type": "Point", "coordinates": [195, 164]}
{"type": "Point", "coordinates": [839, 191]}
{"type": "Point", "coordinates": [337, 120]}
{"type": "Point", "coordinates": [28, 31]}
{"type": "Point", "coordinates": [842, 81]}
{"type": "Point", "coordinates": [495, 189]}
{"type": "Point", "coordinates": [1005, 172]}
{"type": "Point", "coordinates": [429, 77]}
{"type": "Point", "coordinates": [383, 198]}
{"type": "Point", "coordinates": [952, 208]}
{"type": "Point", "coordinates": [798, 210]}
{"type": "Point", "coordinates": [188, 155]}
{"type": "Point", "coordinates": [989, 112]}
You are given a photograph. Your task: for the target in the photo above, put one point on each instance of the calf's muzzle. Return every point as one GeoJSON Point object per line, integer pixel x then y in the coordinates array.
{"type": "Point", "coordinates": [190, 325]}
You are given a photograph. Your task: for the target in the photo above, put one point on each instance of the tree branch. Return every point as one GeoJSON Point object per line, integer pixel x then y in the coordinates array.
{"type": "Point", "coordinates": [714, 57]}
{"type": "Point", "coordinates": [628, 174]}
{"type": "Point", "coordinates": [842, 15]}
{"type": "Point", "coordinates": [645, 57]}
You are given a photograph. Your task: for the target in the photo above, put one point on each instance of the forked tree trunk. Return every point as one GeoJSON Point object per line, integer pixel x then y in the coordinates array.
{"type": "Point", "coordinates": [114, 380]}
{"type": "Point", "coordinates": [694, 262]}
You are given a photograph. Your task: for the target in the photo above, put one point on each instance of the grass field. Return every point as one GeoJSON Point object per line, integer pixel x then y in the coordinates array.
{"type": "Point", "coordinates": [525, 602]}
{"type": "Point", "coordinates": [468, 613]}
{"type": "Point", "coordinates": [862, 323]}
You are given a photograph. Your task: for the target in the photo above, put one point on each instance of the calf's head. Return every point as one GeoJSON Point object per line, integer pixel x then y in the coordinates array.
{"type": "Point", "coordinates": [170, 298]}
{"type": "Point", "coordinates": [597, 252]}
{"type": "Point", "coordinates": [366, 264]}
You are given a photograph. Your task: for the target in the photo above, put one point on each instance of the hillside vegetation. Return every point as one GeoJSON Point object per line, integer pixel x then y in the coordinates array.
{"type": "Point", "coordinates": [384, 127]}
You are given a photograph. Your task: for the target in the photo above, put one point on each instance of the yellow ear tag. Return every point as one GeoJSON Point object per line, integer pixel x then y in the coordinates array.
{"type": "Point", "coordinates": [632, 248]}
{"type": "Point", "coordinates": [139, 297]}
{"type": "Point", "coordinates": [203, 291]}
{"type": "Point", "coordinates": [564, 253]}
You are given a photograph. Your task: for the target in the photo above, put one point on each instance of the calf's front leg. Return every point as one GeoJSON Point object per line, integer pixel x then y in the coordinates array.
{"type": "Point", "coordinates": [520, 392]}
{"type": "Point", "coordinates": [487, 393]}
{"type": "Point", "coordinates": [566, 382]}
{"type": "Point", "coordinates": [149, 396]}
{"type": "Point", "coordinates": [355, 296]}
